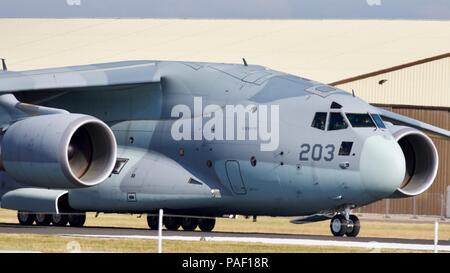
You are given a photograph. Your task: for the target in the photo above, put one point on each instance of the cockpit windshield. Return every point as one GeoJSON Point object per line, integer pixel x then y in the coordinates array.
{"type": "Point", "coordinates": [360, 120]}
{"type": "Point", "coordinates": [319, 120]}
{"type": "Point", "coordinates": [336, 122]}
{"type": "Point", "coordinates": [378, 121]}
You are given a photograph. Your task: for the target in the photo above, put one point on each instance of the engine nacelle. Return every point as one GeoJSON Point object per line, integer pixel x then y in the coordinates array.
{"type": "Point", "coordinates": [421, 160]}
{"type": "Point", "coordinates": [59, 151]}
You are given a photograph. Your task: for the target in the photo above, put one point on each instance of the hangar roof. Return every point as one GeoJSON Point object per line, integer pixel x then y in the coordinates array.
{"type": "Point", "coordinates": [423, 82]}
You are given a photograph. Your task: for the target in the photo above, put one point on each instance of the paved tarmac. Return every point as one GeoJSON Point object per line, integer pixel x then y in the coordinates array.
{"type": "Point", "coordinates": [292, 239]}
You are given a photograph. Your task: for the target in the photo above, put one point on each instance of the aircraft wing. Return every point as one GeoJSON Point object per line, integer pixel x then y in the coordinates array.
{"type": "Point", "coordinates": [391, 116]}
{"type": "Point", "coordinates": [108, 74]}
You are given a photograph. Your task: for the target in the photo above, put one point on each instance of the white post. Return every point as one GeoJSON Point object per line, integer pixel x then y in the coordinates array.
{"type": "Point", "coordinates": [436, 236]}
{"type": "Point", "coordinates": [160, 221]}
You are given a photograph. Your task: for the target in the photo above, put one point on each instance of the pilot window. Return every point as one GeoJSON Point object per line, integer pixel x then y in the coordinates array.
{"type": "Point", "coordinates": [319, 120]}
{"type": "Point", "coordinates": [378, 121]}
{"type": "Point", "coordinates": [360, 120]}
{"type": "Point", "coordinates": [336, 122]}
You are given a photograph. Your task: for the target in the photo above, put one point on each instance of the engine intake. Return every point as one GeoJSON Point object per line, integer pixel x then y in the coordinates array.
{"type": "Point", "coordinates": [59, 151]}
{"type": "Point", "coordinates": [421, 159]}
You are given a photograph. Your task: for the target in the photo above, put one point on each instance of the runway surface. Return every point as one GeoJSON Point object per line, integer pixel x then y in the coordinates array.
{"type": "Point", "coordinates": [290, 239]}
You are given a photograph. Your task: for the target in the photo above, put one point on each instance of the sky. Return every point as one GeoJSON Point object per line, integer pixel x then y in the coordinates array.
{"type": "Point", "coordinates": [230, 9]}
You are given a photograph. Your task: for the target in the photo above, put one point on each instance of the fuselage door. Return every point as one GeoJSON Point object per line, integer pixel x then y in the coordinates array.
{"type": "Point", "coordinates": [234, 177]}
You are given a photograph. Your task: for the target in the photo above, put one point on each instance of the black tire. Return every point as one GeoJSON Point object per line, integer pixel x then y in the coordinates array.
{"type": "Point", "coordinates": [152, 221]}
{"type": "Point", "coordinates": [60, 220]}
{"type": "Point", "coordinates": [43, 219]}
{"type": "Point", "coordinates": [26, 218]}
{"type": "Point", "coordinates": [172, 223]}
{"type": "Point", "coordinates": [206, 224]}
{"type": "Point", "coordinates": [353, 227]}
{"type": "Point", "coordinates": [77, 220]}
{"type": "Point", "coordinates": [338, 225]}
{"type": "Point", "coordinates": [189, 223]}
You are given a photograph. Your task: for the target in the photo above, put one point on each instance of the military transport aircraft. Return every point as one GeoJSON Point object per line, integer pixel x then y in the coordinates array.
{"type": "Point", "coordinates": [201, 140]}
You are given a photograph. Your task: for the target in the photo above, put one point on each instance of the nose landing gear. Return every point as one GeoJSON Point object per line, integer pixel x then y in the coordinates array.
{"type": "Point", "coordinates": [345, 224]}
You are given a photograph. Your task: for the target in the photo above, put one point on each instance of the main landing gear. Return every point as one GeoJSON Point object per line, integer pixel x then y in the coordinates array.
{"type": "Point", "coordinates": [345, 224]}
{"type": "Point", "coordinates": [187, 223]}
{"type": "Point", "coordinates": [44, 219]}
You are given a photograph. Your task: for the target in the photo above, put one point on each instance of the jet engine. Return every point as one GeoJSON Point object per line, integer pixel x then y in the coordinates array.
{"type": "Point", "coordinates": [58, 151]}
{"type": "Point", "coordinates": [421, 160]}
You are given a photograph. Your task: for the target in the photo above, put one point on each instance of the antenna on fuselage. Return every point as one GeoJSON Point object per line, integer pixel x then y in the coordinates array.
{"type": "Point", "coordinates": [245, 62]}
{"type": "Point", "coordinates": [353, 93]}
{"type": "Point", "coordinates": [4, 64]}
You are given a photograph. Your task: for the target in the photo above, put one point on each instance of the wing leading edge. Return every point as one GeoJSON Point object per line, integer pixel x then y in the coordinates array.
{"type": "Point", "coordinates": [119, 73]}
{"type": "Point", "coordinates": [388, 115]}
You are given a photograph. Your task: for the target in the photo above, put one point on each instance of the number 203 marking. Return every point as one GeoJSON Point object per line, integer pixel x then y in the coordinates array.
{"type": "Point", "coordinates": [317, 152]}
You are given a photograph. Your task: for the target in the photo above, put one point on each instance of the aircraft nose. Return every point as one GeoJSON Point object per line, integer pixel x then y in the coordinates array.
{"type": "Point", "coordinates": [382, 165]}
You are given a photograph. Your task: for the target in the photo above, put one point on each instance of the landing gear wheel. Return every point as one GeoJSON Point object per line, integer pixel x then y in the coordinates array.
{"type": "Point", "coordinates": [60, 220]}
{"type": "Point", "coordinates": [353, 227]}
{"type": "Point", "coordinates": [43, 219]}
{"type": "Point", "coordinates": [189, 223]}
{"type": "Point", "coordinates": [25, 218]}
{"type": "Point", "coordinates": [207, 224]}
{"type": "Point", "coordinates": [77, 220]}
{"type": "Point", "coordinates": [338, 225]}
{"type": "Point", "coordinates": [152, 221]}
{"type": "Point", "coordinates": [172, 223]}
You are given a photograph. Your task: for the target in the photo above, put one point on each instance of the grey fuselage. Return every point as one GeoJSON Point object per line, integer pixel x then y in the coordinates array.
{"type": "Point", "coordinates": [215, 177]}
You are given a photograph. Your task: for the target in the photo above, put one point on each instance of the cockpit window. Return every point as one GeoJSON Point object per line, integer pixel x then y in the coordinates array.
{"type": "Point", "coordinates": [360, 120]}
{"type": "Point", "coordinates": [319, 120]}
{"type": "Point", "coordinates": [378, 121]}
{"type": "Point", "coordinates": [336, 122]}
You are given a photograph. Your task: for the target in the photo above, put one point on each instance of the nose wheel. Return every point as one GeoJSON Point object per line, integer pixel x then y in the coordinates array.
{"type": "Point", "coordinates": [341, 225]}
